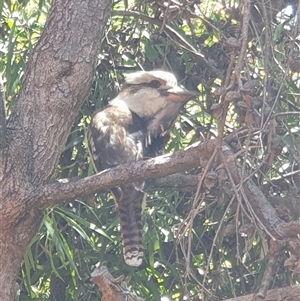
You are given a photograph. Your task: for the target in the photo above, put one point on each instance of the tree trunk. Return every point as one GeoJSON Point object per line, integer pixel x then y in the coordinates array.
{"type": "Point", "coordinates": [57, 79]}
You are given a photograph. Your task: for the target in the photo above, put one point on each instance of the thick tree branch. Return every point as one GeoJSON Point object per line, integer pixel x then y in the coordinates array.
{"type": "Point", "coordinates": [194, 156]}
{"type": "Point", "coordinates": [54, 193]}
{"type": "Point", "coordinates": [56, 81]}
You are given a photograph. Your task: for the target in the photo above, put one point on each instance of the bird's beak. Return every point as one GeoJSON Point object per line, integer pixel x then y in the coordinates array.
{"type": "Point", "coordinates": [180, 94]}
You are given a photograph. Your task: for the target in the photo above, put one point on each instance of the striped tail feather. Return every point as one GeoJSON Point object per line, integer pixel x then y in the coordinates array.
{"type": "Point", "coordinates": [129, 202]}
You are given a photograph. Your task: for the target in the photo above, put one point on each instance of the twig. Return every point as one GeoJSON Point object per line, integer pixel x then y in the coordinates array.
{"type": "Point", "coordinates": [237, 70]}
{"type": "Point", "coordinates": [176, 37]}
{"type": "Point", "coordinates": [272, 265]}
{"type": "Point", "coordinates": [286, 113]}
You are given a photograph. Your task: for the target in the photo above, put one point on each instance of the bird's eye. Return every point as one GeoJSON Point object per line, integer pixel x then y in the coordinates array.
{"type": "Point", "coordinates": [155, 83]}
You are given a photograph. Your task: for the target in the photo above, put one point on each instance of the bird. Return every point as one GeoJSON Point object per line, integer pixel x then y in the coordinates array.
{"type": "Point", "coordinates": [134, 126]}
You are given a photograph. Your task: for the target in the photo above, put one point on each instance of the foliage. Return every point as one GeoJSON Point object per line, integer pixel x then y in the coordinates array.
{"type": "Point", "coordinates": [187, 258]}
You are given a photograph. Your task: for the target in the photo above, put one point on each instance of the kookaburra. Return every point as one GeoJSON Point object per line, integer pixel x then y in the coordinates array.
{"type": "Point", "coordinates": [135, 126]}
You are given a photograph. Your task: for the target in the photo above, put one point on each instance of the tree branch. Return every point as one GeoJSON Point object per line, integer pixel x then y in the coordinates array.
{"type": "Point", "coordinates": [2, 119]}
{"type": "Point", "coordinates": [194, 156]}
{"type": "Point", "coordinates": [56, 81]}
{"type": "Point", "coordinates": [54, 193]}
{"type": "Point", "coordinates": [290, 293]}
{"type": "Point", "coordinates": [112, 288]}
{"type": "Point", "coordinates": [176, 182]}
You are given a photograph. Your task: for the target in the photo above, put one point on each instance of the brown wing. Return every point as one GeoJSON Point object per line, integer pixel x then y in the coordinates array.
{"type": "Point", "coordinates": [115, 136]}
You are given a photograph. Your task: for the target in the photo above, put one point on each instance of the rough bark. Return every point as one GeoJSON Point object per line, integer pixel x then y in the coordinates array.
{"type": "Point", "coordinates": [57, 79]}
{"type": "Point", "coordinates": [112, 288]}
{"type": "Point", "coordinates": [2, 119]}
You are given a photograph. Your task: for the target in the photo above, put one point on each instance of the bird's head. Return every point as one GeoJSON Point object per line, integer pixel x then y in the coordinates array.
{"type": "Point", "coordinates": [148, 92]}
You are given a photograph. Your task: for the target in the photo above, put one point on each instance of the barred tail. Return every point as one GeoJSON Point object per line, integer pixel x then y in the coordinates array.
{"type": "Point", "coordinates": [129, 202]}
